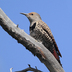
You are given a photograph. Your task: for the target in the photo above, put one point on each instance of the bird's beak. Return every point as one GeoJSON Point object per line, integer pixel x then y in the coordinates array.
{"type": "Point", "coordinates": [24, 14]}
{"type": "Point", "coordinates": [27, 15]}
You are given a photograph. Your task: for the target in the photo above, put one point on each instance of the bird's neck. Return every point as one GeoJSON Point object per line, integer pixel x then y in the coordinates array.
{"type": "Point", "coordinates": [32, 22]}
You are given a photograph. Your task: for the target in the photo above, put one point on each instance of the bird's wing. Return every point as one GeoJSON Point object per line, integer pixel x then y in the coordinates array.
{"type": "Point", "coordinates": [48, 31]}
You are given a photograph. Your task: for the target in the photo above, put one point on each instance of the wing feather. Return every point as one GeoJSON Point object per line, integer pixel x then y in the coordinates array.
{"type": "Point", "coordinates": [48, 31]}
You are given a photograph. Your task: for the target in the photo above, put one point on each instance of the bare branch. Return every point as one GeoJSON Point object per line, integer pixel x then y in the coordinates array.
{"type": "Point", "coordinates": [30, 69]}
{"type": "Point", "coordinates": [30, 43]}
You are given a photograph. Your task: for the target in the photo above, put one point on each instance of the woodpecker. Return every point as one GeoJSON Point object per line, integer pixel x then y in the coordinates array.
{"type": "Point", "coordinates": [42, 33]}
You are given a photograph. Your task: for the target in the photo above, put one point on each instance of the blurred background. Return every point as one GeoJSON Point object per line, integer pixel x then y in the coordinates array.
{"type": "Point", "coordinates": [57, 14]}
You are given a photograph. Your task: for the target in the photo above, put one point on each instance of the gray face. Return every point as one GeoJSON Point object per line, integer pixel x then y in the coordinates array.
{"type": "Point", "coordinates": [33, 16]}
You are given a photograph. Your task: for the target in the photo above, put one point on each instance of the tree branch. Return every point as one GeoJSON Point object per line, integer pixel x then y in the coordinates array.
{"type": "Point", "coordinates": [29, 69]}
{"type": "Point", "coordinates": [30, 43]}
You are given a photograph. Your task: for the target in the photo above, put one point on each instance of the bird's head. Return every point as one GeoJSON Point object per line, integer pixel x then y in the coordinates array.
{"type": "Point", "coordinates": [33, 16]}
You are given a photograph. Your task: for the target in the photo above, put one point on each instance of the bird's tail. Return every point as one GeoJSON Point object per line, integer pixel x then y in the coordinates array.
{"type": "Point", "coordinates": [56, 56]}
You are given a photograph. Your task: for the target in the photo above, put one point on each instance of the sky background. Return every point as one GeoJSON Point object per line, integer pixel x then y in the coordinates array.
{"type": "Point", "coordinates": [57, 14]}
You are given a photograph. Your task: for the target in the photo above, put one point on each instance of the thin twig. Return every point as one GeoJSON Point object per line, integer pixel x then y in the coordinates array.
{"type": "Point", "coordinates": [30, 69]}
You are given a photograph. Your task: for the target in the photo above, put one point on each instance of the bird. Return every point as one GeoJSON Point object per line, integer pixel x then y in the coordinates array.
{"type": "Point", "coordinates": [40, 31]}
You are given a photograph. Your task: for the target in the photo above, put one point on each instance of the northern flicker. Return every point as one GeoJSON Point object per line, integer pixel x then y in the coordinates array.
{"type": "Point", "coordinates": [42, 33]}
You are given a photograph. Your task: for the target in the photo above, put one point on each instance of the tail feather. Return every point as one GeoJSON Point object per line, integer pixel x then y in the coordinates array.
{"type": "Point", "coordinates": [56, 56]}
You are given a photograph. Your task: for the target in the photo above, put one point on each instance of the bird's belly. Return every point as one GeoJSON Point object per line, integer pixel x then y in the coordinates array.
{"type": "Point", "coordinates": [41, 36]}
{"type": "Point", "coordinates": [36, 35]}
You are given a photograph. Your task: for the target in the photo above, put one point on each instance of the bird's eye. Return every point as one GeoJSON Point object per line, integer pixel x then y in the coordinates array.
{"type": "Point", "coordinates": [31, 14]}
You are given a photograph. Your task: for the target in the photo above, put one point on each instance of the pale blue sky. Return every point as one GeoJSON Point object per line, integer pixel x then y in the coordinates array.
{"type": "Point", "coordinates": [58, 16]}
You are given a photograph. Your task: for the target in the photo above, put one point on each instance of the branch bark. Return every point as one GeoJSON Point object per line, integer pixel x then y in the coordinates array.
{"type": "Point", "coordinates": [30, 43]}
